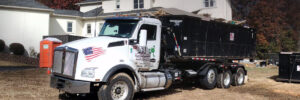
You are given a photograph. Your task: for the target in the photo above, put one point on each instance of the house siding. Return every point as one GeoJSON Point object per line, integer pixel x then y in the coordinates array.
{"type": "Point", "coordinates": [221, 10]}
{"type": "Point", "coordinates": [58, 25]}
{"type": "Point", "coordinates": [86, 8]}
{"type": "Point", "coordinates": [186, 5]}
{"type": "Point", "coordinates": [95, 26]}
{"type": "Point", "coordinates": [125, 5]}
{"type": "Point", "coordinates": [23, 26]}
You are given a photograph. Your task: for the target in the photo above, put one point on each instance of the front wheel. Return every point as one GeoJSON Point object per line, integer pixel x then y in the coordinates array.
{"type": "Point", "coordinates": [238, 77]}
{"type": "Point", "coordinates": [120, 87]}
{"type": "Point", "coordinates": [210, 79]}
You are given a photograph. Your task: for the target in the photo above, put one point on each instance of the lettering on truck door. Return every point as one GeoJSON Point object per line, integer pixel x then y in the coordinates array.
{"type": "Point", "coordinates": [152, 44]}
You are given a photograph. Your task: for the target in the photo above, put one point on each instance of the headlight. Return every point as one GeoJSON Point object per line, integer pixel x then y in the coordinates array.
{"type": "Point", "coordinates": [88, 72]}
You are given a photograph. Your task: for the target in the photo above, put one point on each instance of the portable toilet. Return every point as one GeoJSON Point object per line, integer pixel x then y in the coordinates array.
{"type": "Point", "coordinates": [47, 47]}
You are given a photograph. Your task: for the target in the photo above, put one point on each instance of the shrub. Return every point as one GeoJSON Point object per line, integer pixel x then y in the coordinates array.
{"type": "Point", "coordinates": [32, 52]}
{"type": "Point", "coordinates": [2, 45]}
{"type": "Point", "coordinates": [17, 48]}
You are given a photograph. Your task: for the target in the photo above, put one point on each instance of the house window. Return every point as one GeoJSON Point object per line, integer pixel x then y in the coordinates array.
{"type": "Point", "coordinates": [118, 4]}
{"type": "Point", "coordinates": [138, 4]}
{"type": "Point", "coordinates": [89, 30]}
{"type": "Point", "coordinates": [69, 27]}
{"type": "Point", "coordinates": [209, 3]}
{"type": "Point", "coordinates": [141, 3]}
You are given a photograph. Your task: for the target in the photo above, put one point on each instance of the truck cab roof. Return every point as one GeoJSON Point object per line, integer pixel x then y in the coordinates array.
{"type": "Point", "coordinates": [145, 19]}
{"type": "Point", "coordinates": [123, 18]}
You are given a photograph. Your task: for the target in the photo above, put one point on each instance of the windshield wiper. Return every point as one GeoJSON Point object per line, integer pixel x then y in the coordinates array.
{"type": "Point", "coordinates": [119, 36]}
{"type": "Point", "coordinates": [109, 35]}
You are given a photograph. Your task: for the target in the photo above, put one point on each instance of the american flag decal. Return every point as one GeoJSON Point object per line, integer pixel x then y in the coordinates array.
{"type": "Point", "coordinates": [92, 52]}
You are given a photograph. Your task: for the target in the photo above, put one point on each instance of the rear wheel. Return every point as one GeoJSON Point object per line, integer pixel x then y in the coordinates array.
{"type": "Point", "coordinates": [224, 79]}
{"type": "Point", "coordinates": [238, 77]}
{"type": "Point", "coordinates": [120, 87]}
{"type": "Point", "coordinates": [210, 79]}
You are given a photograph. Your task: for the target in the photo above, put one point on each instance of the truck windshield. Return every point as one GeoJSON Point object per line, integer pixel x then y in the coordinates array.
{"type": "Point", "coordinates": [118, 28]}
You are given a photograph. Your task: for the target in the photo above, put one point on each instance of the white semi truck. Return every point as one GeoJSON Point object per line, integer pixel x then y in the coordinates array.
{"type": "Point", "coordinates": [138, 54]}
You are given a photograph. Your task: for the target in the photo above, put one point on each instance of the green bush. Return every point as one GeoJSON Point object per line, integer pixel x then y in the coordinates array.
{"type": "Point", "coordinates": [2, 45]}
{"type": "Point", "coordinates": [17, 48]}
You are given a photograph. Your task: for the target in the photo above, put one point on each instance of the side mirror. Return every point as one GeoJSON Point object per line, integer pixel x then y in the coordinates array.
{"type": "Point", "coordinates": [143, 38]}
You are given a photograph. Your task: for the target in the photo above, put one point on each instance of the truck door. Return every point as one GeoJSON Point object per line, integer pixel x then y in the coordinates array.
{"type": "Point", "coordinates": [153, 44]}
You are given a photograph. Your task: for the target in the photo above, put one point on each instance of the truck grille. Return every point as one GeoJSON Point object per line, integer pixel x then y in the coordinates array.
{"type": "Point", "coordinates": [64, 62]}
{"type": "Point", "coordinates": [57, 64]}
{"type": "Point", "coordinates": [69, 63]}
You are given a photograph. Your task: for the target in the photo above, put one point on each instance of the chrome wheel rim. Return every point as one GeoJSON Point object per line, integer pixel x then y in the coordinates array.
{"type": "Point", "coordinates": [211, 76]}
{"type": "Point", "coordinates": [119, 90]}
{"type": "Point", "coordinates": [240, 78]}
{"type": "Point", "coordinates": [226, 79]}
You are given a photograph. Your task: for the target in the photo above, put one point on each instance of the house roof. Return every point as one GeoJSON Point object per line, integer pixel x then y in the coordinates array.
{"type": "Point", "coordinates": [92, 13]}
{"type": "Point", "coordinates": [85, 2]}
{"type": "Point", "coordinates": [24, 3]}
{"type": "Point", "coordinates": [68, 12]}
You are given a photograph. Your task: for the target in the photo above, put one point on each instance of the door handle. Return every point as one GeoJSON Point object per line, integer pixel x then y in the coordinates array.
{"type": "Point", "coordinates": [152, 60]}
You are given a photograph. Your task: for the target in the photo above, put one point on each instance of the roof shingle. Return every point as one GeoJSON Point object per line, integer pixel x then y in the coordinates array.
{"type": "Point", "coordinates": [93, 13]}
{"type": "Point", "coordinates": [68, 12]}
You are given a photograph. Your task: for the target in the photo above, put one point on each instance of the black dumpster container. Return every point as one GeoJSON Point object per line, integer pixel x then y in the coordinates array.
{"type": "Point", "coordinates": [199, 38]}
{"type": "Point", "coordinates": [289, 67]}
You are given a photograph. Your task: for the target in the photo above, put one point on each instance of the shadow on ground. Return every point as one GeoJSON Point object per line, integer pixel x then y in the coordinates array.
{"type": "Point", "coordinates": [138, 96]}
{"type": "Point", "coordinates": [274, 77]}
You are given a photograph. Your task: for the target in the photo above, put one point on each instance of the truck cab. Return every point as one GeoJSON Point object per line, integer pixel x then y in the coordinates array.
{"type": "Point", "coordinates": [125, 44]}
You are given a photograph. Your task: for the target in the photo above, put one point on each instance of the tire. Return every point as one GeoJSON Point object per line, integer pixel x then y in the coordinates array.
{"type": "Point", "coordinates": [238, 77]}
{"type": "Point", "coordinates": [224, 79]}
{"type": "Point", "coordinates": [120, 87]}
{"type": "Point", "coordinates": [209, 81]}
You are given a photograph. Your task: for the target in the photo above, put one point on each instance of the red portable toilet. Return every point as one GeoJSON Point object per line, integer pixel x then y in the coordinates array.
{"type": "Point", "coordinates": [47, 47]}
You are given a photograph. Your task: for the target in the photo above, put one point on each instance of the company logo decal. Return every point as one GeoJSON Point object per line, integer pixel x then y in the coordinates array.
{"type": "Point", "coordinates": [176, 22]}
{"type": "Point", "coordinates": [93, 52]}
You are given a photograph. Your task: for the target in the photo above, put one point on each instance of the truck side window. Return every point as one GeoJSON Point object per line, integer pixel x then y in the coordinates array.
{"type": "Point", "coordinates": [151, 31]}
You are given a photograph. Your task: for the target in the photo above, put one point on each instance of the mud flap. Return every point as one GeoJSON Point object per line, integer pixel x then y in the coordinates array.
{"type": "Point", "coordinates": [246, 79]}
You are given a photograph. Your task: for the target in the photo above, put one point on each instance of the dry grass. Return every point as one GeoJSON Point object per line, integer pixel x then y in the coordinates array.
{"type": "Point", "coordinates": [10, 64]}
{"type": "Point", "coordinates": [29, 84]}
{"type": "Point", "coordinates": [33, 84]}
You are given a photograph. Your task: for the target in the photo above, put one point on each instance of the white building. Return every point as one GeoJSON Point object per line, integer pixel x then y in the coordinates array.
{"type": "Point", "coordinates": [26, 21]}
{"type": "Point", "coordinates": [215, 8]}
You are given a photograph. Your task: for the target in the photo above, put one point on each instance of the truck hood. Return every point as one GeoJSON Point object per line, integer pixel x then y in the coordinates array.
{"type": "Point", "coordinates": [92, 42]}
{"type": "Point", "coordinates": [86, 59]}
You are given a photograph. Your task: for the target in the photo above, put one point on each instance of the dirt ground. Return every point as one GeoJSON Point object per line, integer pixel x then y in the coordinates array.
{"type": "Point", "coordinates": [10, 64]}
{"type": "Point", "coordinates": [33, 84]}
